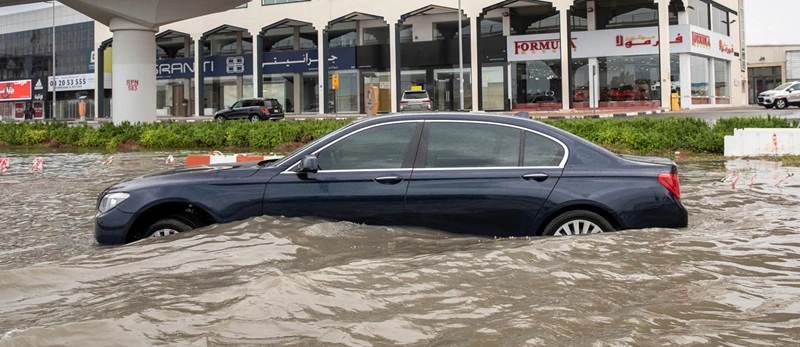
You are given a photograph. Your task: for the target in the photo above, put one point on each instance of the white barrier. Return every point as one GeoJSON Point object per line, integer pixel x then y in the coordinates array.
{"type": "Point", "coordinates": [763, 142]}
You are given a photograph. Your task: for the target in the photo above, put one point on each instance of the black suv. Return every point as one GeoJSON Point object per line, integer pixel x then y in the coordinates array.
{"type": "Point", "coordinates": [255, 109]}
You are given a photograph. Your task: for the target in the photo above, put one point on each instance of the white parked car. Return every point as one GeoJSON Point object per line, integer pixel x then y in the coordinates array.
{"type": "Point", "coordinates": [787, 94]}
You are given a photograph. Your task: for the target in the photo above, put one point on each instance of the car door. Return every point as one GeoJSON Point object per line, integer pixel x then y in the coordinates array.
{"type": "Point", "coordinates": [362, 177]}
{"type": "Point", "coordinates": [482, 178]}
{"type": "Point", "coordinates": [794, 95]}
{"type": "Point", "coordinates": [235, 110]}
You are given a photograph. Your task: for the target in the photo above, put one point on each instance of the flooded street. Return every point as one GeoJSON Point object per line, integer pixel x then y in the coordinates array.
{"type": "Point", "coordinates": [732, 278]}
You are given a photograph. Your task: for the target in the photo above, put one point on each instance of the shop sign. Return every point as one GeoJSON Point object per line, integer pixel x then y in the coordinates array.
{"type": "Point", "coordinates": [340, 58]}
{"type": "Point", "coordinates": [15, 90]}
{"type": "Point", "coordinates": [39, 90]}
{"type": "Point", "coordinates": [72, 82]}
{"type": "Point", "coordinates": [620, 42]}
{"type": "Point", "coordinates": [228, 65]}
{"type": "Point", "coordinates": [178, 68]}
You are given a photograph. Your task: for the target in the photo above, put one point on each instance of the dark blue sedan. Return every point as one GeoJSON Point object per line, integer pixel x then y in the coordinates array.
{"type": "Point", "coordinates": [462, 173]}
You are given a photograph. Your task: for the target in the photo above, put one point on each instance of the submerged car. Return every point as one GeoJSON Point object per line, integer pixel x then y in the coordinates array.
{"type": "Point", "coordinates": [783, 96]}
{"type": "Point", "coordinates": [252, 109]}
{"type": "Point", "coordinates": [457, 172]}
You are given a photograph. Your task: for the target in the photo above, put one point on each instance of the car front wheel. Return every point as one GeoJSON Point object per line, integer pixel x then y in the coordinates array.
{"type": "Point", "coordinates": [780, 104]}
{"type": "Point", "coordinates": [219, 119]}
{"type": "Point", "coordinates": [578, 222]}
{"type": "Point", "coordinates": [170, 226]}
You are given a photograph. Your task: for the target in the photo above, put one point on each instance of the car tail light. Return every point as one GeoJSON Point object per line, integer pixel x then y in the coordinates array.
{"type": "Point", "coordinates": [671, 182]}
{"type": "Point", "coordinates": [264, 110]}
{"type": "Point", "coordinates": [403, 102]}
{"type": "Point", "coordinates": [426, 100]}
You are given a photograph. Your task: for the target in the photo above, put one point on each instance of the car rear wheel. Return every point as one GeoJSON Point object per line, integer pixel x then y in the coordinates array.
{"type": "Point", "coordinates": [170, 226]}
{"type": "Point", "coordinates": [578, 222]}
{"type": "Point", "coordinates": [255, 118]}
{"type": "Point", "coordinates": [780, 104]}
{"type": "Point", "coordinates": [219, 119]}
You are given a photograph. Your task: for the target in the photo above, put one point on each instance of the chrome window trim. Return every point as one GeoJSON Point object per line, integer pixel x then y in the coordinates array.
{"type": "Point", "coordinates": [289, 169]}
{"type": "Point", "coordinates": [561, 165]}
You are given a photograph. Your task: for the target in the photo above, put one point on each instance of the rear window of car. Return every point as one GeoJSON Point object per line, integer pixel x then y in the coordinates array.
{"type": "Point", "coordinates": [415, 95]}
{"type": "Point", "coordinates": [267, 102]}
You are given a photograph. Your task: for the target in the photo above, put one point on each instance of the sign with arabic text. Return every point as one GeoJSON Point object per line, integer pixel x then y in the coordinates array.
{"type": "Point", "coordinates": [620, 42]}
{"type": "Point", "coordinates": [340, 58]}
{"type": "Point", "coordinates": [15, 90]}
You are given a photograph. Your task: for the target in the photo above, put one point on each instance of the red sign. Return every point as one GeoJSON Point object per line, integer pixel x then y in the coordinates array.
{"type": "Point", "coordinates": [15, 90]}
{"type": "Point", "coordinates": [38, 110]}
{"type": "Point", "coordinates": [133, 85]}
{"type": "Point", "coordinates": [723, 47]}
{"type": "Point", "coordinates": [19, 110]}
{"type": "Point", "coordinates": [533, 46]}
{"type": "Point", "coordinates": [700, 40]}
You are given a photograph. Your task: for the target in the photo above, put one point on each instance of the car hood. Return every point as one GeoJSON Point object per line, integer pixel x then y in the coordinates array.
{"type": "Point", "coordinates": [189, 175]}
{"type": "Point", "coordinates": [770, 92]}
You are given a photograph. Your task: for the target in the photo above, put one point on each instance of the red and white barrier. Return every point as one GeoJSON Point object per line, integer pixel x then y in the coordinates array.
{"type": "Point", "coordinates": [109, 160]}
{"type": "Point", "coordinates": [4, 162]}
{"type": "Point", "coordinates": [219, 158]}
{"type": "Point", "coordinates": [170, 160]}
{"type": "Point", "coordinates": [38, 165]}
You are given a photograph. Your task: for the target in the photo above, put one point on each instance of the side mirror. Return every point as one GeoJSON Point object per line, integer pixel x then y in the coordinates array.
{"type": "Point", "coordinates": [309, 164]}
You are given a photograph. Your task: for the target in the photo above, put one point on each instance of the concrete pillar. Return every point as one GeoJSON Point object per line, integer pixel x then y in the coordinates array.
{"type": "Point", "coordinates": [394, 63]}
{"type": "Point", "coordinates": [475, 64]}
{"type": "Point", "coordinates": [664, 52]}
{"type": "Point", "coordinates": [686, 80]}
{"type": "Point", "coordinates": [134, 81]}
{"type": "Point", "coordinates": [239, 78]}
{"type": "Point", "coordinates": [258, 72]}
{"type": "Point", "coordinates": [566, 46]}
{"type": "Point", "coordinates": [187, 83]}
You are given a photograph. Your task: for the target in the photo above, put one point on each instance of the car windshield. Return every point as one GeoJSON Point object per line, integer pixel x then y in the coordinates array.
{"type": "Point", "coordinates": [784, 86]}
{"type": "Point", "coordinates": [312, 143]}
{"type": "Point", "coordinates": [415, 95]}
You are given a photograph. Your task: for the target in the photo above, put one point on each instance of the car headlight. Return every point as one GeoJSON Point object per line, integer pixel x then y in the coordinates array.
{"type": "Point", "coordinates": [110, 201]}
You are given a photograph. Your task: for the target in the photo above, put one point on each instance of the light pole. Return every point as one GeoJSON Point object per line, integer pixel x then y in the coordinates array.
{"type": "Point", "coordinates": [460, 60]}
{"type": "Point", "coordinates": [53, 48]}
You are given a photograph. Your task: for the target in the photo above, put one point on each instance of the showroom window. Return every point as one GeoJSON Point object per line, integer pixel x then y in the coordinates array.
{"type": "Point", "coordinates": [643, 15]}
{"type": "Point", "coordinates": [472, 145]}
{"type": "Point", "coordinates": [629, 78]}
{"type": "Point", "coordinates": [537, 82]}
{"type": "Point", "coordinates": [700, 80]}
{"type": "Point", "coordinates": [382, 147]}
{"type": "Point", "coordinates": [722, 81]}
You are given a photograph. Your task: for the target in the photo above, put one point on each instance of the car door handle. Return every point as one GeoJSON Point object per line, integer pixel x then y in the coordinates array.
{"type": "Point", "coordinates": [538, 177]}
{"type": "Point", "coordinates": [393, 179]}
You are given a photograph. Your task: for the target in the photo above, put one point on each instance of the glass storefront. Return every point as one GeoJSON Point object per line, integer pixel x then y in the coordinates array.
{"type": "Point", "coordinates": [175, 97]}
{"type": "Point", "coordinates": [536, 84]}
{"type": "Point", "coordinates": [280, 87]}
{"type": "Point", "coordinates": [222, 92]}
{"type": "Point", "coordinates": [701, 79]}
{"type": "Point", "coordinates": [722, 90]}
{"type": "Point", "coordinates": [629, 78]}
{"type": "Point", "coordinates": [345, 99]}
{"type": "Point", "coordinates": [382, 80]}
{"type": "Point", "coordinates": [493, 88]}
{"type": "Point", "coordinates": [580, 83]}
{"type": "Point", "coordinates": [309, 94]}
{"type": "Point", "coordinates": [447, 89]}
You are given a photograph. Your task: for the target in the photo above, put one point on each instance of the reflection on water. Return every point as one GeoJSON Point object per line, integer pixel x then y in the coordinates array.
{"type": "Point", "coordinates": [731, 278]}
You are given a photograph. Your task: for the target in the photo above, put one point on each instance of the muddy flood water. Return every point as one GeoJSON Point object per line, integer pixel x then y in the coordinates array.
{"type": "Point", "coordinates": [731, 279]}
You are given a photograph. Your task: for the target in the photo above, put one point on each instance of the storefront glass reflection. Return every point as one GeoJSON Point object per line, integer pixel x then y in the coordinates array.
{"type": "Point", "coordinates": [536, 84]}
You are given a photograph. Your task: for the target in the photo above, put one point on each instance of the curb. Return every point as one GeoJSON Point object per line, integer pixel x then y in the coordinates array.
{"type": "Point", "coordinates": [606, 115]}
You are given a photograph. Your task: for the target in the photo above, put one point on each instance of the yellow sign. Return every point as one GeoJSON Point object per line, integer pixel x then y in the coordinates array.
{"type": "Point", "coordinates": [335, 81]}
{"type": "Point", "coordinates": [416, 87]}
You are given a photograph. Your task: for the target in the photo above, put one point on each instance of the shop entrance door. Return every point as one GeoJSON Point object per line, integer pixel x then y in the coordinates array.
{"type": "Point", "coordinates": [443, 99]}
{"type": "Point", "coordinates": [177, 101]}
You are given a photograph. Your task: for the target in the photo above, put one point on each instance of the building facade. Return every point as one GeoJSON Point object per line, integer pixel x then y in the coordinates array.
{"type": "Point", "coordinates": [26, 63]}
{"type": "Point", "coordinates": [771, 66]}
{"type": "Point", "coordinates": [324, 56]}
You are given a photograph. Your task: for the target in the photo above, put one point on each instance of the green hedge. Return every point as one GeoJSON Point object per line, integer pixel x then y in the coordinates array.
{"type": "Point", "coordinates": [638, 135]}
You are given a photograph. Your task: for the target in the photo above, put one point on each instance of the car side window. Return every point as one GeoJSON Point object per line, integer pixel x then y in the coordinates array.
{"type": "Point", "coordinates": [541, 151]}
{"type": "Point", "coordinates": [267, 103]}
{"type": "Point", "coordinates": [381, 147]}
{"type": "Point", "coordinates": [463, 145]}
{"type": "Point", "coordinates": [238, 104]}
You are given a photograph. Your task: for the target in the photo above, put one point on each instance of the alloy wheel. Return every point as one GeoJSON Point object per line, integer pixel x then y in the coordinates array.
{"type": "Point", "coordinates": [164, 232]}
{"type": "Point", "coordinates": [578, 227]}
